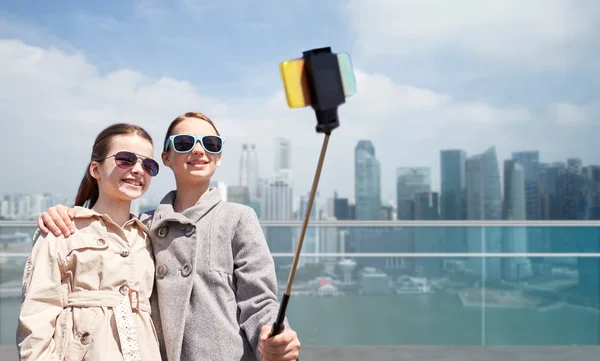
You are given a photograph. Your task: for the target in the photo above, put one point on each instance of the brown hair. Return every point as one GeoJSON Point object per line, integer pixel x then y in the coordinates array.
{"type": "Point", "coordinates": [183, 117]}
{"type": "Point", "coordinates": [88, 189]}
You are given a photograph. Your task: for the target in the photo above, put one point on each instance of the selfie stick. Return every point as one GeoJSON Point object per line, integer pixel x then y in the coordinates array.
{"type": "Point", "coordinates": [326, 93]}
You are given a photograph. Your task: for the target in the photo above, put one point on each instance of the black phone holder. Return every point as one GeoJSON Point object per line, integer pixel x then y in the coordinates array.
{"type": "Point", "coordinates": [326, 88]}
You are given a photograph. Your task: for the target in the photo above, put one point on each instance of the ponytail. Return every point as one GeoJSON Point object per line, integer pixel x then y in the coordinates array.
{"type": "Point", "coordinates": [88, 190]}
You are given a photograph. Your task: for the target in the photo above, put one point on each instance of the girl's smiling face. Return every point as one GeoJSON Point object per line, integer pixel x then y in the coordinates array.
{"type": "Point", "coordinates": [124, 182]}
{"type": "Point", "coordinates": [196, 166]}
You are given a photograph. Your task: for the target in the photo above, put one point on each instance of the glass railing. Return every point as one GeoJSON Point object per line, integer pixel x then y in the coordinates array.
{"type": "Point", "coordinates": [425, 283]}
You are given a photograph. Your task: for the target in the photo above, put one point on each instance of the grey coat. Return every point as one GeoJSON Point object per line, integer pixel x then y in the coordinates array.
{"type": "Point", "coordinates": [215, 280]}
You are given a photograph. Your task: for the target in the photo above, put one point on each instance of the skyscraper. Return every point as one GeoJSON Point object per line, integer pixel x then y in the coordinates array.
{"type": "Point", "coordinates": [453, 197]}
{"type": "Point", "coordinates": [530, 161]}
{"type": "Point", "coordinates": [283, 153]}
{"type": "Point", "coordinates": [244, 166]}
{"type": "Point", "coordinates": [276, 204]}
{"type": "Point", "coordinates": [411, 182]}
{"type": "Point", "coordinates": [249, 170]}
{"type": "Point", "coordinates": [484, 202]}
{"type": "Point", "coordinates": [453, 184]}
{"type": "Point", "coordinates": [253, 173]}
{"type": "Point", "coordinates": [484, 193]}
{"type": "Point", "coordinates": [514, 208]}
{"type": "Point", "coordinates": [367, 181]}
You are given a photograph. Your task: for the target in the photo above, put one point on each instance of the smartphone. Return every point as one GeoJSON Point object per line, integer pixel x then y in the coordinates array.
{"type": "Point", "coordinates": [296, 86]}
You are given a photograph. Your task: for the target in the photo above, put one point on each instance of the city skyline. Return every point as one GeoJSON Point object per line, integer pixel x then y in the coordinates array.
{"type": "Point", "coordinates": [419, 182]}
{"type": "Point", "coordinates": [434, 171]}
{"type": "Point", "coordinates": [265, 165]}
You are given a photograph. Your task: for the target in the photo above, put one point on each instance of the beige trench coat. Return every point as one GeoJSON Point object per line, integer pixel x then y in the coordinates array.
{"type": "Point", "coordinates": [71, 288]}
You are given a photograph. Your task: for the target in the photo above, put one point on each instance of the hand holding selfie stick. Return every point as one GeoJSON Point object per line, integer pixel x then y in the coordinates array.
{"type": "Point", "coordinates": [323, 80]}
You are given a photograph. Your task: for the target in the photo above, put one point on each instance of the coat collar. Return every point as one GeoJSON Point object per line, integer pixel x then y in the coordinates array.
{"type": "Point", "coordinates": [83, 212]}
{"type": "Point", "coordinates": [166, 213]}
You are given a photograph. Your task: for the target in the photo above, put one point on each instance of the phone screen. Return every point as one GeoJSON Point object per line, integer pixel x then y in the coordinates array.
{"type": "Point", "coordinates": [296, 86]}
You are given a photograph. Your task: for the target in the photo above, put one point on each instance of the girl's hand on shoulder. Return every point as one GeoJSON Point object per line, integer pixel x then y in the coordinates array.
{"type": "Point", "coordinates": [57, 219]}
{"type": "Point", "coordinates": [283, 347]}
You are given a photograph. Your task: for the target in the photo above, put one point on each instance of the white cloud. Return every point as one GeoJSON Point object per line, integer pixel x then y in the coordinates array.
{"type": "Point", "coordinates": [568, 114]}
{"type": "Point", "coordinates": [521, 33]}
{"type": "Point", "coordinates": [54, 103]}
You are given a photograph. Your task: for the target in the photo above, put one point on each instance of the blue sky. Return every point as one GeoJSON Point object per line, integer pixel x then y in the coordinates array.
{"type": "Point", "coordinates": [431, 74]}
{"type": "Point", "coordinates": [214, 46]}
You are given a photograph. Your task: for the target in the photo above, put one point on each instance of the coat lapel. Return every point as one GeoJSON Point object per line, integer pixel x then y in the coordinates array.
{"type": "Point", "coordinates": [206, 203]}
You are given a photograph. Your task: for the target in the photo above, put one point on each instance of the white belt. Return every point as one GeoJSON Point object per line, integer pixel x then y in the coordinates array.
{"type": "Point", "coordinates": [124, 307]}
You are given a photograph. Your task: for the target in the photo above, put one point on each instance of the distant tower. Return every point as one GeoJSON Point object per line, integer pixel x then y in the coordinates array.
{"type": "Point", "coordinates": [283, 153]}
{"type": "Point", "coordinates": [347, 266]}
{"type": "Point", "coordinates": [249, 170]}
{"type": "Point", "coordinates": [244, 166]}
{"type": "Point", "coordinates": [253, 172]}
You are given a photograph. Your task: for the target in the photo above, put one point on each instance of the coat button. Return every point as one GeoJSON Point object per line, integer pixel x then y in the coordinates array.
{"type": "Point", "coordinates": [124, 290]}
{"type": "Point", "coordinates": [101, 242]}
{"type": "Point", "coordinates": [85, 338]}
{"type": "Point", "coordinates": [163, 231]}
{"type": "Point", "coordinates": [161, 271]}
{"type": "Point", "coordinates": [124, 253]}
{"type": "Point", "coordinates": [189, 230]}
{"type": "Point", "coordinates": [186, 270]}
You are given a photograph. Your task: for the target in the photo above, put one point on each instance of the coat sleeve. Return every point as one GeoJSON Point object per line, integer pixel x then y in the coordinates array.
{"type": "Point", "coordinates": [256, 283]}
{"type": "Point", "coordinates": [42, 302]}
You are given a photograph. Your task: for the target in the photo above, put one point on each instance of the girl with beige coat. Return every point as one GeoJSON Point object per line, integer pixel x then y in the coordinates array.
{"type": "Point", "coordinates": [87, 297]}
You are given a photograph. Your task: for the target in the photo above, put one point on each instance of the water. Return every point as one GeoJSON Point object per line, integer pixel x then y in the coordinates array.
{"type": "Point", "coordinates": [434, 319]}
{"type": "Point", "coordinates": [437, 319]}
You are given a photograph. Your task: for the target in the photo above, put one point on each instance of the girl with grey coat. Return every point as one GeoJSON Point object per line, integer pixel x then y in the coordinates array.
{"type": "Point", "coordinates": [216, 290]}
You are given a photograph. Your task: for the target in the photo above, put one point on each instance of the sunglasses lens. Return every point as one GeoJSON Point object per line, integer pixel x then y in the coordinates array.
{"type": "Point", "coordinates": [128, 160]}
{"type": "Point", "coordinates": [212, 143]}
{"type": "Point", "coordinates": [183, 143]}
{"type": "Point", "coordinates": [150, 166]}
{"type": "Point", "coordinates": [125, 159]}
